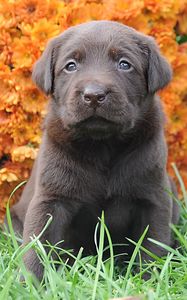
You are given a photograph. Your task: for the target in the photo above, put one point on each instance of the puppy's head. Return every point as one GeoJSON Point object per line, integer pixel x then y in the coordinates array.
{"type": "Point", "coordinates": [101, 76]}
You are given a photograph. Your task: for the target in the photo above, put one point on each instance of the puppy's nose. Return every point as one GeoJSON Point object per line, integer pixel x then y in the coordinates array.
{"type": "Point", "coordinates": [94, 94]}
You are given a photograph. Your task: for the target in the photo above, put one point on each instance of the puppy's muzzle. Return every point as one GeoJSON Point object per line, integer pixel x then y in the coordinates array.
{"type": "Point", "coordinates": [94, 95]}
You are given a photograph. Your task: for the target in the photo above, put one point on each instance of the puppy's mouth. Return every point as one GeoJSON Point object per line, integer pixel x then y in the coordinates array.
{"type": "Point", "coordinates": [96, 127]}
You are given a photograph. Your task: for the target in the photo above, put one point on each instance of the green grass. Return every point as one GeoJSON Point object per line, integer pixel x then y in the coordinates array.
{"type": "Point", "coordinates": [92, 277]}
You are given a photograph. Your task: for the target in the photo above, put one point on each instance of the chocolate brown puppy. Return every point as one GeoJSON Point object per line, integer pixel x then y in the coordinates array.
{"type": "Point", "coordinates": [103, 146]}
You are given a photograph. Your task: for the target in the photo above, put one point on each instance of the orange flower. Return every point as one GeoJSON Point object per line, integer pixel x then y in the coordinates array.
{"type": "Point", "coordinates": [24, 52]}
{"type": "Point", "coordinates": [19, 154]}
{"type": "Point", "coordinates": [57, 11]}
{"type": "Point", "coordinates": [182, 18]}
{"type": "Point", "coordinates": [6, 144]}
{"type": "Point", "coordinates": [33, 101]}
{"type": "Point", "coordinates": [24, 128]}
{"type": "Point", "coordinates": [178, 119]}
{"type": "Point", "coordinates": [170, 99]}
{"type": "Point", "coordinates": [85, 12]}
{"type": "Point", "coordinates": [165, 37]}
{"type": "Point", "coordinates": [123, 10]}
{"type": "Point", "coordinates": [7, 16]}
{"type": "Point", "coordinates": [5, 50]}
{"type": "Point", "coordinates": [141, 22]}
{"type": "Point", "coordinates": [29, 11]}
{"type": "Point", "coordinates": [5, 175]}
{"type": "Point", "coordinates": [22, 79]}
{"type": "Point", "coordinates": [40, 32]}
{"type": "Point", "coordinates": [8, 95]}
{"type": "Point", "coordinates": [165, 8]}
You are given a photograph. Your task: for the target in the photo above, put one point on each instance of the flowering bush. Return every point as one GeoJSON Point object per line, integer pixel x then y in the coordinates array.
{"type": "Point", "coordinates": [26, 26]}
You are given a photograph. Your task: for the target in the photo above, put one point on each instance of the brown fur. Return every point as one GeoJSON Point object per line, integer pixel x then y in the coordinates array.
{"type": "Point", "coordinates": [103, 146]}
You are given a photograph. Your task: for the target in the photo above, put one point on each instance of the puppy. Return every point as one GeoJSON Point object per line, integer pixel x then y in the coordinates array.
{"type": "Point", "coordinates": [103, 146]}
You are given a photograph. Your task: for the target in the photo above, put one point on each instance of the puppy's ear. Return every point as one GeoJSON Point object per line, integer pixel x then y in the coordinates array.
{"type": "Point", "coordinates": [159, 70]}
{"type": "Point", "coordinates": [43, 70]}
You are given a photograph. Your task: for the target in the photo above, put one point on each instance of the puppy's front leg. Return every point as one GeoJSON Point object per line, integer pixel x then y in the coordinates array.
{"type": "Point", "coordinates": [35, 221]}
{"type": "Point", "coordinates": [158, 217]}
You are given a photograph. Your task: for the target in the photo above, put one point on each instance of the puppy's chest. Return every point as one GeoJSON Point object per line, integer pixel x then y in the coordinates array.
{"type": "Point", "coordinates": [99, 181]}
{"type": "Point", "coordinates": [95, 176]}
{"type": "Point", "coordinates": [99, 177]}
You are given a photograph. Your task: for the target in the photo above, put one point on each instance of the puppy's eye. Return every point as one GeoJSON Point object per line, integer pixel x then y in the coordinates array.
{"type": "Point", "coordinates": [124, 65]}
{"type": "Point", "coordinates": [71, 66]}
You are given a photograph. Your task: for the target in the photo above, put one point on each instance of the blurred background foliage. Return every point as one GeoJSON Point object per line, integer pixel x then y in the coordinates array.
{"type": "Point", "coordinates": [25, 28]}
